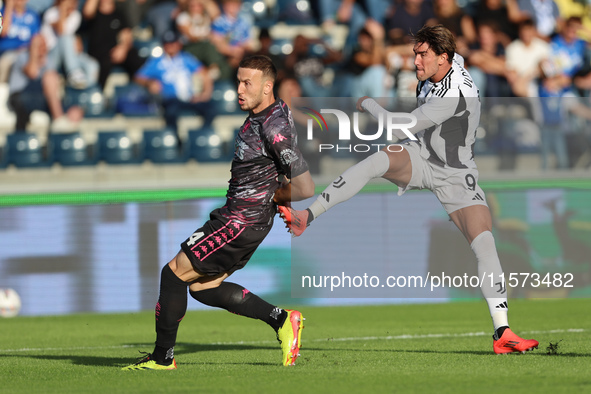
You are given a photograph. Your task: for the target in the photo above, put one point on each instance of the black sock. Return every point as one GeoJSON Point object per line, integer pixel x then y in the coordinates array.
{"type": "Point", "coordinates": [170, 310]}
{"type": "Point", "coordinates": [499, 332]}
{"type": "Point", "coordinates": [310, 217]}
{"type": "Point", "coordinates": [236, 299]}
{"type": "Point", "coordinates": [163, 355]}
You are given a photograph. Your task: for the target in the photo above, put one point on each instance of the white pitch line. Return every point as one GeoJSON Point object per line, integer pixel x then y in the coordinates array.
{"type": "Point", "coordinates": [346, 339]}
{"type": "Point", "coordinates": [423, 336]}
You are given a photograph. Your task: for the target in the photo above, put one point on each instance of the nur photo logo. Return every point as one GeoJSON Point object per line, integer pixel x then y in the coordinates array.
{"type": "Point", "coordinates": [350, 129]}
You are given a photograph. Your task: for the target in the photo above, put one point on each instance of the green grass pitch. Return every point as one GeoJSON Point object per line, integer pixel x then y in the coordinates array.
{"type": "Point", "coordinates": [419, 348]}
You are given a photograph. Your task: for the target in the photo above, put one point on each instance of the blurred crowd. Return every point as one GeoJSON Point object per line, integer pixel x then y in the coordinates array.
{"type": "Point", "coordinates": [512, 48]}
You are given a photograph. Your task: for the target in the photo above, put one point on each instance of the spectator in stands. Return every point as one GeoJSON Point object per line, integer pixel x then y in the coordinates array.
{"type": "Point", "coordinates": [368, 63]}
{"type": "Point", "coordinates": [580, 8]}
{"type": "Point", "coordinates": [266, 42]}
{"type": "Point", "coordinates": [343, 11]}
{"type": "Point", "coordinates": [545, 15]}
{"type": "Point", "coordinates": [561, 132]}
{"type": "Point", "coordinates": [173, 78]}
{"type": "Point", "coordinates": [566, 58]}
{"type": "Point", "coordinates": [19, 26]}
{"type": "Point", "coordinates": [34, 86]}
{"type": "Point", "coordinates": [524, 57]}
{"type": "Point", "coordinates": [40, 6]}
{"type": "Point", "coordinates": [309, 68]}
{"type": "Point", "coordinates": [450, 15]}
{"type": "Point", "coordinates": [231, 34]}
{"type": "Point", "coordinates": [159, 15]}
{"type": "Point", "coordinates": [487, 62]}
{"type": "Point", "coordinates": [194, 24]}
{"type": "Point", "coordinates": [555, 124]}
{"type": "Point", "coordinates": [505, 14]}
{"type": "Point", "coordinates": [110, 39]}
{"type": "Point", "coordinates": [408, 17]}
{"type": "Point", "coordinates": [89, 65]}
{"type": "Point", "coordinates": [354, 14]}
{"type": "Point", "coordinates": [60, 24]}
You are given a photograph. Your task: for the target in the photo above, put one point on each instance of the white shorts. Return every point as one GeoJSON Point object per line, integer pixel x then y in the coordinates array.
{"type": "Point", "coordinates": [456, 188]}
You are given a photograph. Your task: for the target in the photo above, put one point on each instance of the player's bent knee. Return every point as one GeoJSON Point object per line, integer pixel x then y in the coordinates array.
{"type": "Point", "coordinates": [198, 286]}
{"type": "Point", "coordinates": [472, 221]}
{"type": "Point", "coordinates": [208, 282]}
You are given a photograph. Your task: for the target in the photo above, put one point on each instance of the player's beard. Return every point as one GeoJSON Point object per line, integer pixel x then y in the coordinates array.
{"type": "Point", "coordinates": [428, 71]}
{"type": "Point", "coordinates": [249, 105]}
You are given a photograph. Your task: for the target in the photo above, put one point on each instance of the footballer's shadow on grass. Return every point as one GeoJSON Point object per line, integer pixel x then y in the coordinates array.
{"type": "Point", "coordinates": [96, 361]}
{"type": "Point", "coordinates": [121, 361]}
{"type": "Point", "coordinates": [189, 348]}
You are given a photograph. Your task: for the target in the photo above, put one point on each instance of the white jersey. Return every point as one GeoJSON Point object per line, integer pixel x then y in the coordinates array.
{"type": "Point", "coordinates": [453, 104]}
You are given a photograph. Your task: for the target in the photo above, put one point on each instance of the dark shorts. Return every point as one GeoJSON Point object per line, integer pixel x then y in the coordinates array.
{"type": "Point", "coordinates": [222, 245]}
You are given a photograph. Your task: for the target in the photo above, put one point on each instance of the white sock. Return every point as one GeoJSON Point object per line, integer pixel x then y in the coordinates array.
{"type": "Point", "coordinates": [351, 182]}
{"type": "Point", "coordinates": [488, 263]}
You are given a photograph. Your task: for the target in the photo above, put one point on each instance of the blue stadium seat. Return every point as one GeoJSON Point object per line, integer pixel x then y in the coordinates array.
{"type": "Point", "coordinates": [70, 149]}
{"type": "Point", "coordinates": [281, 47]}
{"type": "Point", "coordinates": [263, 16]}
{"type": "Point", "coordinates": [148, 48]}
{"type": "Point", "coordinates": [206, 146]}
{"type": "Point", "coordinates": [91, 100]}
{"type": "Point", "coordinates": [25, 150]}
{"type": "Point", "coordinates": [115, 147]}
{"type": "Point", "coordinates": [134, 100]}
{"type": "Point", "coordinates": [225, 98]}
{"type": "Point", "coordinates": [296, 12]}
{"type": "Point", "coordinates": [162, 146]}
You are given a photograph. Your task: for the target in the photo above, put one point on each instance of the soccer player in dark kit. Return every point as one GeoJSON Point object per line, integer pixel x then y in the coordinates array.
{"type": "Point", "coordinates": [266, 149]}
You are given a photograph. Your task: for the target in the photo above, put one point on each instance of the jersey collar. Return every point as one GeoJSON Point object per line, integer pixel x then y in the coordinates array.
{"type": "Point", "coordinates": [264, 113]}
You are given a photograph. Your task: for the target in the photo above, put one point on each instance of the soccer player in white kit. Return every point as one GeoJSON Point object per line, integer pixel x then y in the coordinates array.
{"type": "Point", "coordinates": [441, 160]}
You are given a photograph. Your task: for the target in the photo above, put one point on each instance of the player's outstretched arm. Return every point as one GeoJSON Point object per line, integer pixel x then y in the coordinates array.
{"type": "Point", "coordinates": [423, 121]}
{"type": "Point", "coordinates": [367, 104]}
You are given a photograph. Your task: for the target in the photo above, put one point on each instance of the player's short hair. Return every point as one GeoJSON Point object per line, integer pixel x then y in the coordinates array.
{"type": "Point", "coordinates": [262, 63]}
{"type": "Point", "coordinates": [439, 39]}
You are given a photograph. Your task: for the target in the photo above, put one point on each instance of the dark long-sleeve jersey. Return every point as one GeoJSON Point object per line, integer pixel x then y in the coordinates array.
{"type": "Point", "coordinates": [265, 147]}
